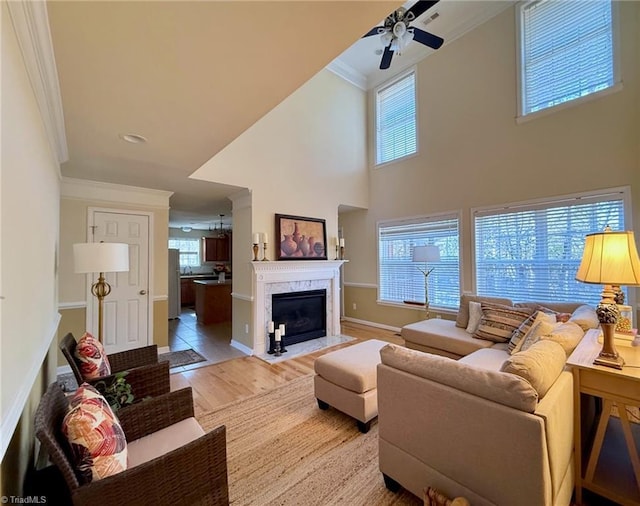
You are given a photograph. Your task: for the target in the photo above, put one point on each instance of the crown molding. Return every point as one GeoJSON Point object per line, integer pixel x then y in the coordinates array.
{"type": "Point", "coordinates": [83, 189]}
{"type": "Point", "coordinates": [348, 73]}
{"type": "Point", "coordinates": [240, 199]}
{"type": "Point", "coordinates": [31, 24]}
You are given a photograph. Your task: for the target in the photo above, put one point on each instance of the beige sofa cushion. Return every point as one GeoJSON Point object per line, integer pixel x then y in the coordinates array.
{"type": "Point", "coordinates": [353, 368]}
{"type": "Point", "coordinates": [462, 319]}
{"type": "Point", "coordinates": [586, 317]}
{"type": "Point", "coordinates": [163, 441]}
{"type": "Point", "coordinates": [443, 335]}
{"type": "Point", "coordinates": [540, 365]}
{"type": "Point", "coordinates": [490, 359]}
{"type": "Point", "coordinates": [506, 389]}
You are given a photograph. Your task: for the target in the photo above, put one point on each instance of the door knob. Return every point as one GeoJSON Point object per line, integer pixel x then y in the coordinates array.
{"type": "Point", "coordinates": [143, 292]}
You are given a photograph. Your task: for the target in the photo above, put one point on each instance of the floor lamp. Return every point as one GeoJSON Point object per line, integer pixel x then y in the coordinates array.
{"type": "Point", "coordinates": [426, 254]}
{"type": "Point", "coordinates": [100, 257]}
{"type": "Point", "coordinates": [609, 259]}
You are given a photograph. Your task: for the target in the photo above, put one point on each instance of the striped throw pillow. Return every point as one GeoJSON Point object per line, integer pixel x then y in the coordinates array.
{"type": "Point", "coordinates": [499, 322]}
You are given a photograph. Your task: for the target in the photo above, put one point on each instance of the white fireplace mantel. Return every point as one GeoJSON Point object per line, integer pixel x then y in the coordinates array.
{"type": "Point", "coordinates": [293, 276]}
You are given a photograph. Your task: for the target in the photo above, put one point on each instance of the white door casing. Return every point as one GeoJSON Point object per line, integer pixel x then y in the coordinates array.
{"type": "Point", "coordinates": [127, 309]}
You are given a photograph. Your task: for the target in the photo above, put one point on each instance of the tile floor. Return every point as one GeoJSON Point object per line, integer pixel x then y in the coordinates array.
{"type": "Point", "coordinates": [212, 341]}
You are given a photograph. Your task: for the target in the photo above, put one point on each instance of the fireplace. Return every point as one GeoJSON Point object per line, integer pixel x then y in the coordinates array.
{"type": "Point", "coordinates": [303, 313]}
{"type": "Point", "coordinates": [276, 278]}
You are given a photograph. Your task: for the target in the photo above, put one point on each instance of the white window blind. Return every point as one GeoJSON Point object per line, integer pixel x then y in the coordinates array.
{"type": "Point", "coordinates": [567, 51]}
{"type": "Point", "coordinates": [396, 119]}
{"type": "Point", "coordinates": [533, 252]}
{"type": "Point", "coordinates": [189, 250]}
{"type": "Point", "coordinates": [399, 277]}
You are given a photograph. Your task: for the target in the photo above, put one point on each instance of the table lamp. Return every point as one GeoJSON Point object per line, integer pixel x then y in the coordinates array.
{"type": "Point", "coordinates": [426, 254]}
{"type": "Point", "coordinates": [100, 257]}
{"type": "Point", "coordinates": [609, 259]}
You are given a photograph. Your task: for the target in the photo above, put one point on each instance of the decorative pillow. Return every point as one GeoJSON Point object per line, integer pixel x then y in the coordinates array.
{"type": "Point", "coordinates": [498, 322]}
{"type": "Point", "coordinates": [560, 317]}
{"type": "Point", "coordinates": [98, 444]}
{"type": "Point", "coordinates": [524, 328]}
{"type": "Point", "coordinates": [92, 359]}
{"type": "Point", "coordinates": [567, 335]}
{"type": "Point", "coordinates": [540, 365]}
{"type": "Point", "coordinates": [586, 317]}
{"type": "Point", "coordinates": [462, 320]}
{"type": "Point", "coordinates": [475, 315]}
{"type": "Point", "coordinates": [541, 327]}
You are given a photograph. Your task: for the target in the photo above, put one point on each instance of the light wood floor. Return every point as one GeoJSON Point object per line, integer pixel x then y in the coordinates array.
{"type": "Point", "coordinates": [239, 378]}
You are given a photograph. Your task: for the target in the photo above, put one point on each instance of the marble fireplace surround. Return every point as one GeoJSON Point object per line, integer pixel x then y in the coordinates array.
{"type": "Point", "coordinates": [293, 276]}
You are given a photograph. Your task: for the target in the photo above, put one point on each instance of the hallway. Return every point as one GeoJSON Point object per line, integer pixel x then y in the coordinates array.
{"type": "Point", "coordinates": [212, 341]}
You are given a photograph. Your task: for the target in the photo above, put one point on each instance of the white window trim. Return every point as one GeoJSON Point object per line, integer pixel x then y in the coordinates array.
{"type": "Point", "coordinates": [418, 219]}
{"type": "Point", "coordinates": [617, 74]}
{"type": "Point", "coordinates": [374, 118]}
{"type": "Point", "coordinates": [625, 191]}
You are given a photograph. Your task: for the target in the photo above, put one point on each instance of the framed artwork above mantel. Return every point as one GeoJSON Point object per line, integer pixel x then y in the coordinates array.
{"type": "Point", "coordinates": [300, 238]}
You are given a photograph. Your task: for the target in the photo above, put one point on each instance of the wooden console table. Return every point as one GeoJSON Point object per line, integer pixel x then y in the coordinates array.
{"type": "Point", "coordinates": [611, 472]}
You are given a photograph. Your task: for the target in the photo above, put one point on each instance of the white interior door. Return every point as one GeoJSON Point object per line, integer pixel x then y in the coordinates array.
{"type": "Point", "coordinates": [126, 308]}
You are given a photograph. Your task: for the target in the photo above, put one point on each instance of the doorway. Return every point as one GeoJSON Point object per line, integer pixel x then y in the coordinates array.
{"type": "Point", "coordinates": [127, 309]}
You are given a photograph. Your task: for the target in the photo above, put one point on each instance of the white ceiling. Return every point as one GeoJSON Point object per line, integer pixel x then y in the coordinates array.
{"type": "Point", "coordinates": [191, 76]}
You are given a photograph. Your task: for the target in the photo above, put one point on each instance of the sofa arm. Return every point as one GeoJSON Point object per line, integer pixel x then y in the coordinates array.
{"type": "Point", "coordinates": [556, 408]}
{"type": "Point", "coordinates": [429, 430]}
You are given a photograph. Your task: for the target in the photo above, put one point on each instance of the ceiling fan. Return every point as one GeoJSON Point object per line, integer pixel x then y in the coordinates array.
{"type": "Point", "coordinates": [396, 32]}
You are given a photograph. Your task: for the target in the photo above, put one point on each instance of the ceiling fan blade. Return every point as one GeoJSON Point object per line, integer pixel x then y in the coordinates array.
{"type": "Point", "coordinates": [421, 7]}
{"type": "Point", "coordinates": [426, 38]}
{"type": "Point", "coordinates": [386, 58]}
{"type": "Point", "coordinates": [373, 31]}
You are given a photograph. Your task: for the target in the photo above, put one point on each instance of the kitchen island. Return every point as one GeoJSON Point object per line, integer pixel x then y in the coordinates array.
{"type": "Point", "coordinates": [213, 300]}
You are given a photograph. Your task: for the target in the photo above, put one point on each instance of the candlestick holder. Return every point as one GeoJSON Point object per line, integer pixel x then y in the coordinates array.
{"type": "Point", "coordinates": [255, 251]}
{"type": "Point", "coordinates": [337, 252]}
{"type": "Point", "coordinates": [278, 350]}
{"type": "Point", "coordinates": [341, 252]}
{"type": "Point", "coordinates": [264, 253]}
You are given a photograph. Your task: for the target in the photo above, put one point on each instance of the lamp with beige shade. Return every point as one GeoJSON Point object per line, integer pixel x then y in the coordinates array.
{"type": "Point", "coordinates": [100, 257]}
{"type": "Point", "coordinates": [609, 259]}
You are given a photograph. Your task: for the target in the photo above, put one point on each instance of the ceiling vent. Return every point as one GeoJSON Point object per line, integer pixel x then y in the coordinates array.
{"type": "Point", "coordinates": [431, 18]}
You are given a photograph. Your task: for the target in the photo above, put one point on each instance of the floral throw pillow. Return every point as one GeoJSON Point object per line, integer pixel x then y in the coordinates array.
{"type": "Point", "coordinates": [92, 359]}
{"type": "Point", "coordinates": [98, 444]}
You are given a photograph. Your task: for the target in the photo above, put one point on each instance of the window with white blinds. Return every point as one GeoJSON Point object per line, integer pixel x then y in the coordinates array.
{"type": "Point", "coordinates": [400, 279]}
{"type": "Point", "coordinates": [567, 51]}
{"type": "Point", "coordinates": [533, 252]}
{"type": "Point", "coordinates": [396, 119]}
{"type": "Point", "coordinates": [189, 250]}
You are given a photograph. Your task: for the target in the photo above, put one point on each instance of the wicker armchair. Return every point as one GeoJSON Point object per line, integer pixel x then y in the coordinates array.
{"type": "Point", "coordinates": [147, 376]}
{"type": "Point", "coordinates": [194, 474]}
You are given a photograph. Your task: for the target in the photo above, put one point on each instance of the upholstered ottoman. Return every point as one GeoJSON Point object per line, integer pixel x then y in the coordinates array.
{"type": "Point", "coordinates": [346, 380]}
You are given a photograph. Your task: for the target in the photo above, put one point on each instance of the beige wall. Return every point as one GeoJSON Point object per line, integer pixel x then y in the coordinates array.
{"type": "Point", "coordinates": [306, 157]}
{"type": "Point", "coordinates": [472, 153]}
{"type": "Point", "coordinates": [30, 182]}
{"type": "Point", "coordinates": [73, 220]}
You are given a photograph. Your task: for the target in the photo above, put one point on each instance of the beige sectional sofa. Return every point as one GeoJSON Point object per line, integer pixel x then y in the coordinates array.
{"type": "Point", "coordinates": [449, 338]}
{"type": "Point", "coordinates": [493, 427]}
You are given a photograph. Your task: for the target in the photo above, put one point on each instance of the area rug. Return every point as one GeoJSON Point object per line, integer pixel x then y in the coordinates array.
{"type": "Point", "coordinates": [282, 449]}
{"type": "Point", "coordinates": [181, 357]}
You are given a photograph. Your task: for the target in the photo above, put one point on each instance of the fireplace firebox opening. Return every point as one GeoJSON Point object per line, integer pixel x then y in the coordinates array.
{"type": "Point", "coordinates": [303, 313]}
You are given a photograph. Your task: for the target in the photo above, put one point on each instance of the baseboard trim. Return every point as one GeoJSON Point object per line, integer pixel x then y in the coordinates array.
{"type": "Point", "coordinates": [164, 349]}
{"type": "Point", "coordinates": [242, 347]}
{"type": "Point", "coordinates": [11, 419]}
{"type": "Point", "coordinates": [371, 324]}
